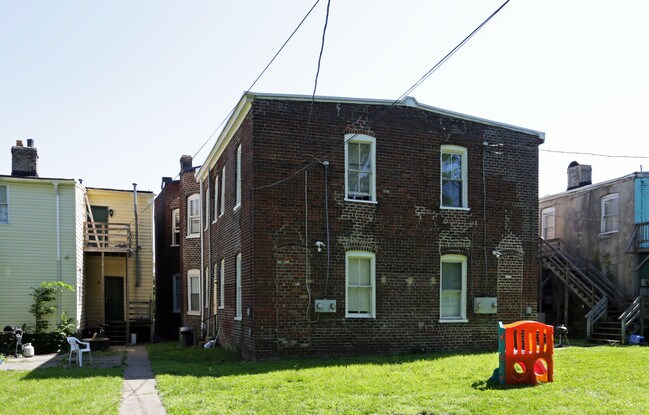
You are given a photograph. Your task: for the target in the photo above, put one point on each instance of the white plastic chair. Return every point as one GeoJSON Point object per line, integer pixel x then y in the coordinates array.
{"type": "Point", "coordinates": [74, 348]}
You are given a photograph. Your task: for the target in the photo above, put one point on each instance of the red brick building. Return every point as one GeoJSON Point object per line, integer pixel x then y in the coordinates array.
{"type": "Point", "coordinates": [349, 226]}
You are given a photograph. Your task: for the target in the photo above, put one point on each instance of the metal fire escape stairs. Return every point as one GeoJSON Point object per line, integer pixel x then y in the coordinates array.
{"type": "Point", "coordinates": [610, 318]}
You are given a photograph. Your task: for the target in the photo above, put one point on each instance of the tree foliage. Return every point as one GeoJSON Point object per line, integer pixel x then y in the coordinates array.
{"type": "Point", "coordinates": [43, 295]}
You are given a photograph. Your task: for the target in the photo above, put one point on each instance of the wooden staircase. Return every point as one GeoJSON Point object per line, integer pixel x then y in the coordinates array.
{"type": "Point", "coordinates": [116, 332]}
{"type": "Point", "coordinates": [591, 286]}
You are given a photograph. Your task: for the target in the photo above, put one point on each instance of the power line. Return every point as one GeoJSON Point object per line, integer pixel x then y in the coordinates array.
{"type": "Point", "coordinates": [594, 154]}
{"type": "Point", "coordinates": [389, 107]}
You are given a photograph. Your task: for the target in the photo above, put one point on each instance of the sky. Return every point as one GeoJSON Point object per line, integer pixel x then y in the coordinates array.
{"type": "Point", "coordinates": [115, 92]}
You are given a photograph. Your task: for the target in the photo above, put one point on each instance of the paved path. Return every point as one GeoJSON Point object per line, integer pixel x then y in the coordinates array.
{"type": "Point", "coordinates": [139, 394]}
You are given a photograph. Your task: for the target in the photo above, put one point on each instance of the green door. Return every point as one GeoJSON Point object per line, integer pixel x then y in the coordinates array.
{"type": "Point", "coordinates": [114, 300]}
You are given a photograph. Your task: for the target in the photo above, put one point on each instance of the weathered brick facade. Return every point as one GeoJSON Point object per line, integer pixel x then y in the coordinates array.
{"type": "Point", "coordinates": [177, 259]}
{"type": "Point", "coordinates": [286, 207]}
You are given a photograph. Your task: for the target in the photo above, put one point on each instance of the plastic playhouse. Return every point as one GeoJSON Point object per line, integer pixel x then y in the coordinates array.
{"type": "Point", "coordinates": [525, 352]}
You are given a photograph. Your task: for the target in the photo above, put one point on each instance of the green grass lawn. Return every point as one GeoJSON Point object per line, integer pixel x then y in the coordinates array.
{"type": "Point", "coordinates": [61, 390]}
{"type": "Point", "coordinates": [588, 380]}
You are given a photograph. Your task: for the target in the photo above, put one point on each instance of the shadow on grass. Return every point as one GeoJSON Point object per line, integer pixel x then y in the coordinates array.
{"type": "Point", "coordinates": [73, 372]}
{"type": "Point", "coordinates": [492, 384]}
{"type": "Point", "coordinates": [171, 359]}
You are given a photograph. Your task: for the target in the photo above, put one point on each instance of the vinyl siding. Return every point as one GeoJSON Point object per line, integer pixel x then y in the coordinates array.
{"type": "Point", "coordinates": [121, 202]}
{"type": "Point", "coordinates": [28, 247]}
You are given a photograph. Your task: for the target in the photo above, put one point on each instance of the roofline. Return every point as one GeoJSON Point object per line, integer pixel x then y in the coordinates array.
{"type": "Point", "coordinates": [32, 178]}
{"type": "Point", "coordinates": [589, 187]}
{"type": "Point", "coordinates": [248, 97]}
{"type": "Point", "coordinates": [118, 190]}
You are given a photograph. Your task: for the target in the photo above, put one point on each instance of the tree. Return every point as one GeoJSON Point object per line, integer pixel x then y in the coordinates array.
{"type": "Point", "coordinates": [45, 293]}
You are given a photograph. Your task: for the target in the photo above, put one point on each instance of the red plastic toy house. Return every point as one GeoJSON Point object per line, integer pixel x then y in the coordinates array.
{"type": "Point", "coordinates": [525, 349]}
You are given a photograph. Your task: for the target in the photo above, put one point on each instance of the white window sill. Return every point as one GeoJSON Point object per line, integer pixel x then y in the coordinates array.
{"type": "Point", "coordinates": [193, 236]}
{"type": "Point", "coordinates": [358, 316]}
{"type": "Point", "coordinates": [174, 245]}
{"type": "Point", "coordinates": [237, 208]}
{"type": "Point", "coordinates": [221, 215]}
{"type": "Point", "coordinates": [176, 312]}
{"type": "Point", "coordinates": [371, 202]}
{"type": "Point", "coordinates": [221, 307]}
{"type": "Point", "coordinates": [193, 313]}
{"type": "Point", "coordinates": [214, 221]}
{"type": "Point", "coordinates": [608, 233]}
{"type": "Point", "coordinates": [457, 320]}
{"type": "Point", "coordinates": [462, 209]}
{"type": "Point", "coordinates": [238, 318]}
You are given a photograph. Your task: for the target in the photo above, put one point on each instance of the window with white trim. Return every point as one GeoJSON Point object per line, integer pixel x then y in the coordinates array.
{"type": "Point", "coordinates": [547, 223]}
{"type": "Point", "coordinates": [175, 227]}
{"type": "Point", "coordinates": [176, 293]}
{"type": "Point", "coordinates": [215, 286]}
{"type": "Point", "coordinates": [4, 203]}
{"type": "Point", "coordinates": [207, 207]}
{"type": "Point", "coordinates": [193, 215]}
{"type": "Point", "coordinates": [453, 288]}
{"type": "Point", "coordinates": [360, 294]}
{"type": "Point", "coordinates": [238, 172]}
{"type": "Point", "coordinates": [360, 162]}
{"type": "Point", "coordinates": [238, 308]}
{"type": "Point", "coordinates": [610, 213]}
{"type": "Point", "coordinates": [453, 176]}
{"type": "Point", "coordinates": [216, 199]}
{"type": "Point", "coordinates": [206, 286]}
{"type": "Point", "coordinates": [222, 192]}
{"type": "Point", "coordinates": [221, 285]}
{"type": "Point", "coordinates": [193, 291]}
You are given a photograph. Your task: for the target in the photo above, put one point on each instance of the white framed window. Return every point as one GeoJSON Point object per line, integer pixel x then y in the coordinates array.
{"type": "Point", "coordinates": [215, 287]}
{"type": "Point", "coordinates": [238, 309]}
{"type": "Point", "coordinates": [453, 288]}
{"type": "Point", "coordinates": [360, 295]}
{"type": "Point", "coordinates": [222, 285]}
{"type": "Point", "coordinates": [207, 207]}
{"type": "Point", "coordinates": [610, 213]}
{"type": "Point", "coordinates": [193, 291]}
{"type": "Point", "coordinates": [238, 181]}
{"type": "Point", "coordinates": [360, 162]}
{"type": "Point", "coordinates": [4, 204]}
{"type": "Point", "coordinates": [222, 211]}
{"type": "Point", "coordinates": [453, 176]}
{"type": "Point", "coordinates": [193, 215]}
{"type": "Point", "coordinates": [547, 223]}
{"type": "Point", "coordinates": [216, 199]}
{"type": "Point", "coordinates": [206, 286]}
{"type": "Point", "coordinates": [176, 293]}
{"type": "Point", "coordinates": [175, 227]}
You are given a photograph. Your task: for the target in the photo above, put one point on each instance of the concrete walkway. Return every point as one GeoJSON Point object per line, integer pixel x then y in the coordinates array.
{"type": "Point", "coordinates": [139, 394]}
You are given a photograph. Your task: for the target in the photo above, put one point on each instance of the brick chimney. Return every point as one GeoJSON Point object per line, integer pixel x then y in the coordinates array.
{"type": "Point", "coordinates": [185, 163]}
{"type": "Point", "coordinates": [24, 160]}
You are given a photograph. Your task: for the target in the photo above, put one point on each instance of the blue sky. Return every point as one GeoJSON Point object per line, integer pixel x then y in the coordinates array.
{"type": "Point", "coordinates": [115, 92]}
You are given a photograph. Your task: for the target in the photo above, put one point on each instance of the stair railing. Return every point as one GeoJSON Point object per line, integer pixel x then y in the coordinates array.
{"type": "Point", "coordinates": [595, 314]}
{"type": "Point", "coordinates": [631, 314]}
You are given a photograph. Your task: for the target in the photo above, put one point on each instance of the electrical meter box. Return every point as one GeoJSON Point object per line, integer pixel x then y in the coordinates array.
{"type": "Point", "coordinates": [325, 306]}
{"type": "Point", "coordinates": [485, 305]}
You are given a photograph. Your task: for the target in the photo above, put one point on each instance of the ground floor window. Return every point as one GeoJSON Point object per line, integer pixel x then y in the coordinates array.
{"type": "Point", "coordinates": [453, 288]}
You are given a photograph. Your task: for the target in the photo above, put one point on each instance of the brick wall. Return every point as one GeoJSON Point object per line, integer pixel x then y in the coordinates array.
{"type": "Point", "coordinates": [190, 248]}
{"type": "Point", "coordinates": [276, 230]}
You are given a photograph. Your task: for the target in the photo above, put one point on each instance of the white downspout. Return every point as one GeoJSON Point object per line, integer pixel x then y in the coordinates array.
{"type": "Point", "coordinates": [202, 276]}
{"type": "Point", "coordinates": [58, 247]}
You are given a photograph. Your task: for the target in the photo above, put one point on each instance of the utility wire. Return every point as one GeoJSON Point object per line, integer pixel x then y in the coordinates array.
{"type": "Point", "coordinates": [395, 102]}
{"type": "Point", "coordinates": [594, 154]}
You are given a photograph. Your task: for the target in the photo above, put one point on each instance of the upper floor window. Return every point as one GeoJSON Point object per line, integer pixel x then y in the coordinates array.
{"type": "Point", "coordinates": [4, 203]}
{"type": "Point", "coordinates": [360, 159]}
{"type": "Point", "coordinates": [215, 210]}
{"type": "Point", "coordinates": [207, 206]}
{"type": "Point", "coordinates": [222, 210]}
{"type": "Point", "coordinates": [193, 215]}
{"type": "Point", "coordinates": [238, 300]}
{"type": "Point", "coordinates": [238, 173]}
{"type": "Point", "coordinates": [453, 288]}
{"type": "Point", "coordinates": [547, 223]}
{"type": "Point", "coordinates": [360, 275]}
{"type": "Point", "coordinates": [193, 291]}
{"type": "Point", "coordinates": [175, 227]}
{"type": "Point", "coordinates": [610, 213]}
{"type": "Point", "coordinates": [454, 177]}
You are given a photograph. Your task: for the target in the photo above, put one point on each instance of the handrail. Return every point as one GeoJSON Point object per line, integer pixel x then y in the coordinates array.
{"type": "Point", "coordinates": [104, 235]}
{"type": "Point", "coordinates": [574, 273]}
{"type": "Point", "coordinates": [631, 314]}
{"type": "Point", "coordinates": [595, 314]}
{"type": "Point", "coordinates": [636, 243]}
